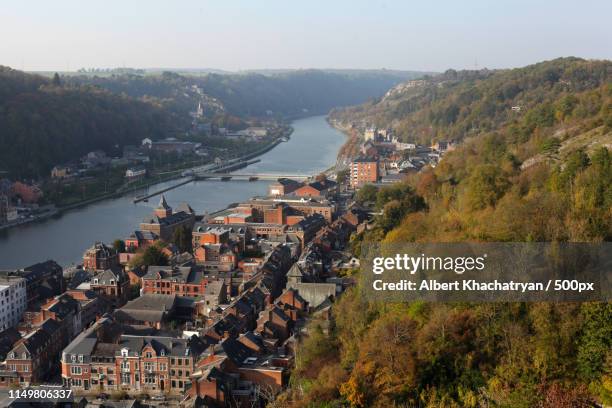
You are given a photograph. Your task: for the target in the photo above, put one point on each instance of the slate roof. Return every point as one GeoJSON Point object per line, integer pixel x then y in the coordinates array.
{"type": "Point", "coordinates": [322, 185]}
{"type": "Point", "coordinates": [236, 351]}
{"type": "Point", "coordinates": [105, 277]}
{"type": "Point", "coordinates": [172, 219]}
{"type": "Point", "coordinates": [147, 308]}
{"type": "Point", "coordinates": [8, 338]}
{"type": "Point", "coordinates": [170, 346]}
{"type": "Point", "coordinates": [163, 203]}
{"type": "Point", "coordinates": [180, 274]}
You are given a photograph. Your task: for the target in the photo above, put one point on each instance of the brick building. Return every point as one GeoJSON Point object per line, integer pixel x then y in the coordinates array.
{"type": "Point", "coordinates": [111, 285]}
{"type": "Point", "coordinates": [174, 280]}
{"type": "Point", "coordinates": [283, 186]}
{"type": "Point", "coordinates": [32, 359]}
{"type": "Point", "coordinates": [363, 170]}
{"type": "Point", "coordinates": [103, 359]}
{"type": "Point", "coordinates": [164, 221]}
{"type": "Point", "coordinates": [100, 257]}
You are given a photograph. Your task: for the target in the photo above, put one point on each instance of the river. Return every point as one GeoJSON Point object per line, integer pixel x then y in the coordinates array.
{"type": "Point", "coordinates": [312, 148]}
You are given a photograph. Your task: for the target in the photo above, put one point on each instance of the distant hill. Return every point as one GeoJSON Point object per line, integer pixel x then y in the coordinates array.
{"type": "Point", "coordinates": [280, 93]}
{"type": "Point", "coordinates": [457, 104]}
{"type": "Point", "coordinates": [43, 124]}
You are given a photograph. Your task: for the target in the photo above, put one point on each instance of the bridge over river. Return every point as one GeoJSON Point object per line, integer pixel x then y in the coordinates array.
{"type": "Point", "coordinates": [251, 176]}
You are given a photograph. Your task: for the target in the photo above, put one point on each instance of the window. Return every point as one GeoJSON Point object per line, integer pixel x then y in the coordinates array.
{"type": "Point", "coordinates": [76, 382]}
{"type": "Point", "coordinates": [149, 366]}
{"type": "Point", "coordinates": [125, 365]}
{"type": "Point", "coordinates": [148, 354]}
{"type": "Point", "coordinates": [125, 378]}
{"type": "Point", "coordinates": [75, 370]}
{"type": "Point", "coordinates": [149, 379]}
{"type": "Point", "coordinates": [73, 358]}
{"type": "Point", "coordinates": [163, 367]}
{"type": "Point", "coordinates": [80, 358]}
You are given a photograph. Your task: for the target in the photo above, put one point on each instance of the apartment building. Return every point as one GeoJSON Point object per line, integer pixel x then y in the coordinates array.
{"type": "Point", "coordinates": [363, 170]}
{"type": "Point", "coordinates": [13, 300]}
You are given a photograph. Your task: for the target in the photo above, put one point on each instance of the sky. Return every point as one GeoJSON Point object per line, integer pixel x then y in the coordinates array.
{"type": "Point", "coordinates": [65, 35]}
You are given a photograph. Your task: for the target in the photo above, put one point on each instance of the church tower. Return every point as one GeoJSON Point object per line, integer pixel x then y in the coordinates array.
{"type": "Point", "coordinates": [163, 210]}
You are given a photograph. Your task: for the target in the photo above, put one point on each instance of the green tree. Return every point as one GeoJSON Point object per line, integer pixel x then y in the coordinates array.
{"type": "Point", "coordinates": [182, 239]}
{"type": "Point", "coordinates": [119, 245]}
{"type": "Point", "coordinates": [485, 186]}
{"type": "Point", "coordinates": [154, 256]}
{"type": "Point", "coordinates": [595, 343]}
{"type": "Point", "coordinates": [366, 194]}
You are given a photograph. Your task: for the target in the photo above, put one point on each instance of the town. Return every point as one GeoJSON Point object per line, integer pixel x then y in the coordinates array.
{"type": "Point", "coordinates": [197, 309]}
{"type": "Point", "coordinates": [100, 174]}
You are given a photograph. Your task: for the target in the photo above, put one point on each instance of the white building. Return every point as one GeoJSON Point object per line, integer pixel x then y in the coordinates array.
{"type": "Point", "coordinates": [13, 300]}
{"type": "Point", "coordinates": [135, 172]}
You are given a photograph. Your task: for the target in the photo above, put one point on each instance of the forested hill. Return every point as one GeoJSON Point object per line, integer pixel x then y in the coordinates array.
{"type": "Point", "coordinates": [541, 174]}
{"type": "Point", "coordinates": [281, 94]}
{"type": "Point", "coordinates": [44, 123]}
{"type": "Point", "coordinates": [458, 104]}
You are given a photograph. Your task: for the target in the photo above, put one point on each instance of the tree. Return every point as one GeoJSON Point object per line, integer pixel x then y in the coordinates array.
{"type": "Point", "coordinates": [367, 194]}
{"type": "Point", "coordinates": [342, 176]}
{"type": "Point", "coordinates": [182, 239]}
{"type": "Point", "coordinates": [596, 341]}
{"type": "Point", "coordinates": [154, 256]}
{"type": "Point", "coordinates": [56, 80]}
{"type": "Point", "coordinates": [119, 245]}
{"type": "Point", "coordinates": [485, 186]}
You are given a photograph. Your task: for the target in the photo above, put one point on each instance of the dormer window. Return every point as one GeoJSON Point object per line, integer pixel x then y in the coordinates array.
{"type": "Point", "coordinates": [112, 281]}
{"type": "Point", "coordinates": [95, 281]}
{"type": "Point", "coordinates": [11, 355]}
{"type": "Point", "coordinates": [80, 358]}
{"type": "Point", "coordinates": [73, 358]}
{"type": "Point", "coordinates": [124, 352]}
{"type": "Point", "coordinates": [24, 355]}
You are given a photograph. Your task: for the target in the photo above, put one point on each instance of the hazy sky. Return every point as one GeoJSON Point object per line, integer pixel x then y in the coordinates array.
{"type": "Point", "coordinates": [234, 34]}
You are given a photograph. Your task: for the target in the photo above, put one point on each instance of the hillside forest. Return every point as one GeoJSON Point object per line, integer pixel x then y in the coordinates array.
{"type": "Point", "coordinates": [543, 173]}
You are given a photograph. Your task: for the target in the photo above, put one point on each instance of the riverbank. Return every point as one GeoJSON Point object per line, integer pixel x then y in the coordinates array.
{"type": "Point", "coordinates": [311, 149]}
{"type": "Point", "coordinates": [350, 148]}
{"type": "Point", "coordinates": [174, 175]}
